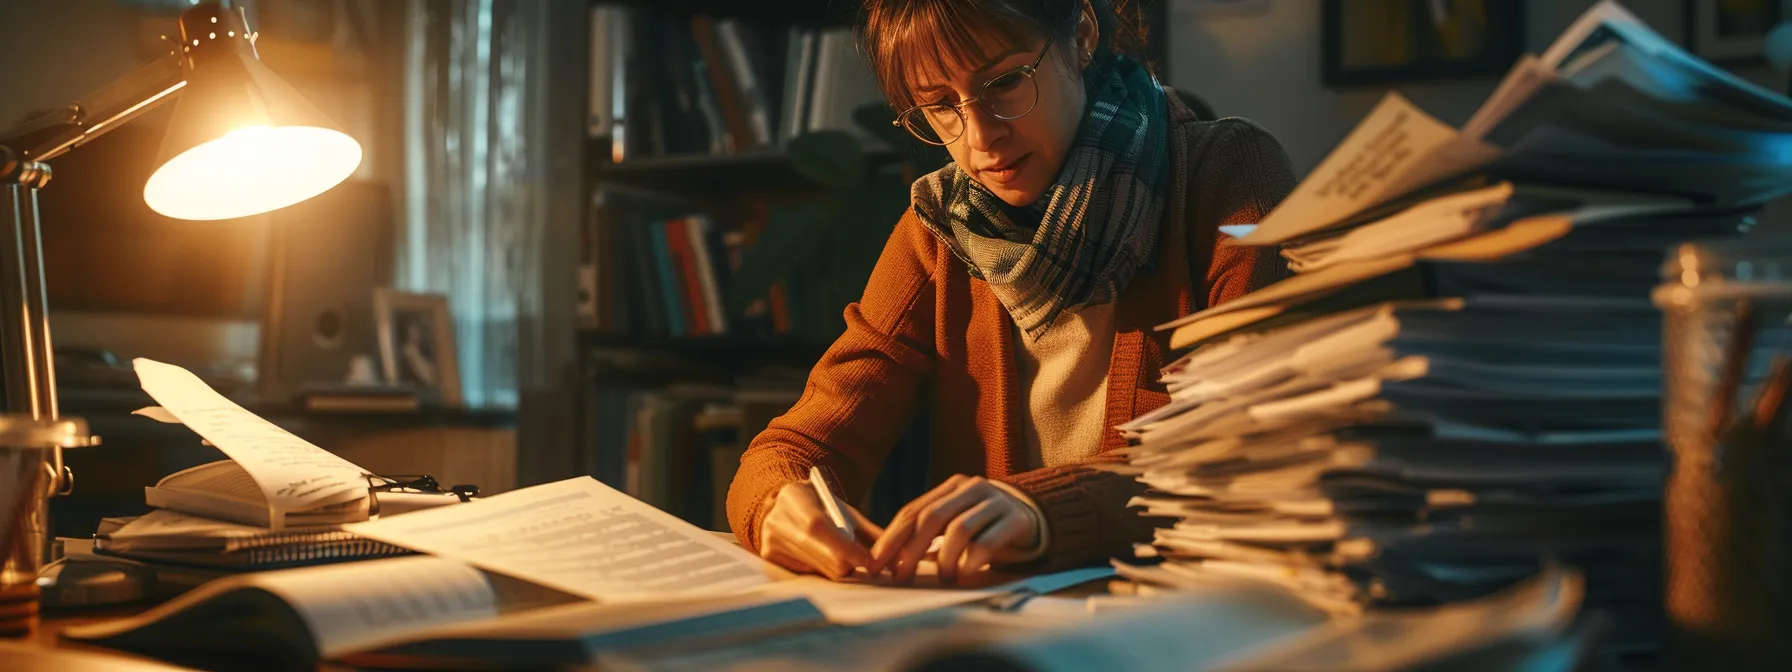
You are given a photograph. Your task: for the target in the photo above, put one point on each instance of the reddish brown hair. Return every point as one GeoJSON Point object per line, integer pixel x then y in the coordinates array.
{"type": "Point", "coordinates": [904, 37]}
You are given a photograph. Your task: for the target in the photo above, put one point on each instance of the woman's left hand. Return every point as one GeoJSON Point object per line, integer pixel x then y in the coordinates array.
{"type": "Point", "coordinates": [980, 522]}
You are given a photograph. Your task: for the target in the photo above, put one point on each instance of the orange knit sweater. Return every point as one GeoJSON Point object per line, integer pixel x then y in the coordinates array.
{"type": "Point", "coordinates": [926, 333]}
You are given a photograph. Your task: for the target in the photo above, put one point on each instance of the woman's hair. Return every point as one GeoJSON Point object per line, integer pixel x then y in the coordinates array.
{"type": "Point", "coordinates": [903, 38]}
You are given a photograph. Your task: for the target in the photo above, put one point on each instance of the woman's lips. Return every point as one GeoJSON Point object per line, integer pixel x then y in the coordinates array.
{"type": "Point", "coordinates": [1006, 172]}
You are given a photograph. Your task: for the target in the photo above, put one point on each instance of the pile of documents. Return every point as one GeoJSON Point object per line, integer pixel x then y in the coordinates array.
{"type": "Point", "coordinates": [1463, 379]}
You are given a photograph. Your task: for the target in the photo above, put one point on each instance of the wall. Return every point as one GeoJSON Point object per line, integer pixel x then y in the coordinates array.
{"type": "Point", "coordinates": [1265, 67]}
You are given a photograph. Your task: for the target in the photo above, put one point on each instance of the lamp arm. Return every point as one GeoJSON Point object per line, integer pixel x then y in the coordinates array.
{"type": "Point", "coordinates": [108, 107]}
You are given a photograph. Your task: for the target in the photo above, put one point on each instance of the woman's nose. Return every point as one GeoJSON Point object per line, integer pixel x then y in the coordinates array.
{"type": "Point", "coordinates": [982, 129]}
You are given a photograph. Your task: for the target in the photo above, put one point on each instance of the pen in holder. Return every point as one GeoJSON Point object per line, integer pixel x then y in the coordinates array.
{"type": "Point", "coordinates": [1727, 501]}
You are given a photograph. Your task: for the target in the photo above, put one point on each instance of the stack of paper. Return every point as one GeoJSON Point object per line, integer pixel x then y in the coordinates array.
{"type": "Point", "coordinates": [1463, 379]}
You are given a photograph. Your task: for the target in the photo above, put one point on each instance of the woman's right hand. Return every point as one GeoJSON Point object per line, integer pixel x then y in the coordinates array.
{"type": "Point", "coordinates": [798, 535]}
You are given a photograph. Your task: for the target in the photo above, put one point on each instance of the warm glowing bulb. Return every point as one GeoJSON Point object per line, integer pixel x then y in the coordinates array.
{"type": "Point", "coordinates": [250, 171]}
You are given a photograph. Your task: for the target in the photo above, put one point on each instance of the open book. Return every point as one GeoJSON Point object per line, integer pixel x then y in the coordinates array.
{"type": "Point", "coordinates": [274, 478]}
{"type": "Point", "coordinates": [225, 491]}
{"type": "Point", "coordinates": [386, 609]}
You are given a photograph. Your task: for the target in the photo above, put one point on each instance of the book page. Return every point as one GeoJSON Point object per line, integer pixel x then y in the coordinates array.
{"type": "Point", "coordinates": [581, 537]}
{"type": "Point", "coordinates": [293, 474]}
{"type": "Point", "coordinates": [346, 607]}
{"type": "Point", "coordinates": [1398, 147]}
{"type": "Point", "coordinates": [164, 523]}
{"type": "Point", "coordinates": [351, 606]}
{"type": "Point", "coordinates": [217, 479]}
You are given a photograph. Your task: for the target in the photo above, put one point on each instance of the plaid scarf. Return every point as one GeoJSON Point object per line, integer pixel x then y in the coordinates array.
{"type": "Point", "coordinates": [1097, 224]}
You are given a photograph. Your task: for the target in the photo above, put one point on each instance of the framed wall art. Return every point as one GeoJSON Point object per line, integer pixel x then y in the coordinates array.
{"type": "Point", "coordinates": [1383, 42]}
{"type": "Point", "coordinates": [1732, 32]}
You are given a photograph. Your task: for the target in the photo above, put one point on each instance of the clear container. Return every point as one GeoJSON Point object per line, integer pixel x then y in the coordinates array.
{"type": "Point", "coordinates": [1728, 586]}
{"type": "Point", "coordinates": [28, 469]}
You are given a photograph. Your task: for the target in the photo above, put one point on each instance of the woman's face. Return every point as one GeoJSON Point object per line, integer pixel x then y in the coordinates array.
{"type": "Point", "coordinates": [1015, 159]}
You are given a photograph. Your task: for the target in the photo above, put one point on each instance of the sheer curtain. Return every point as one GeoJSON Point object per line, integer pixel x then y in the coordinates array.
{"type": "Point", "coordinates": [473, 199]}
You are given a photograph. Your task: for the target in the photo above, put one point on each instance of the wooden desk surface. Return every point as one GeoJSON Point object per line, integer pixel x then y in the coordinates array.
{"type": "Point", "coordinates": [44, 648]}
{"type": "Point", "coordinates": [47, 639]}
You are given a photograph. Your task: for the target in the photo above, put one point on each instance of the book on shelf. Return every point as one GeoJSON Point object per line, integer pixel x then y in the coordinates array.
{"type": "Point", "coordinates": [663, 83]}
{"type": "Point", "coordinates": [654, 266]}
{"type": "Point", "coordinates": [341, 397]}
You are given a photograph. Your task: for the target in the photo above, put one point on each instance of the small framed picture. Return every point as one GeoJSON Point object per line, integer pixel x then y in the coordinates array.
{"type": "Point", "coordinates": [1733, 32]}
{"type": "Point", "coordinates": [417, 342]}
{"type": "Point", "coordinates": [1385, 42]}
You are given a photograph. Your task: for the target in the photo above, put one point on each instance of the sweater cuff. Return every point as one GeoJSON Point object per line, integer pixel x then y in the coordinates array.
{"type": "Point", "coordinates": [1065, 510]}
{"type": "Point", "coordinates": [1044, 540]}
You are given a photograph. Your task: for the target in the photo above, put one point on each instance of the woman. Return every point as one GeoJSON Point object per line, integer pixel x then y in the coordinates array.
{"type": "Point", "coordinates": [1016, 297]}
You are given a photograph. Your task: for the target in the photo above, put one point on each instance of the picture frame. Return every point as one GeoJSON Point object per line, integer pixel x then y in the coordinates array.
{"type": "Point", "coordinates": [1732, 32]}
{"type": "Point", "coordinates": [417, 344]}
{"type": "Point", "coordinates": [1384, 42]}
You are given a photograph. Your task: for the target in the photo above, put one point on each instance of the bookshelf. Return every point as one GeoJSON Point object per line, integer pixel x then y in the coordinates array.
{"type": "Point", "coordinates": [765, 169]}
{"type": "Point", "coordinates": [579, 384]}
{"type": "Point", "coordinates": [782, 12]}
{"type": "Point", "coordinates": [666, 394]}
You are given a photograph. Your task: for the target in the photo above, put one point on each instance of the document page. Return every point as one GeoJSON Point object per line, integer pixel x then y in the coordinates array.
{"type": "Point", "coordinates": [871, 600]}
{"type": "Point", "coordinates": [1397, 148]}
{"type": "Point", "coordinates": [294, 474]}
{"type": "Point", "coordinates": [581, 537]}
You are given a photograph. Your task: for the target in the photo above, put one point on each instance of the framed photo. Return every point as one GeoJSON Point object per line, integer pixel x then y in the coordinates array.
{"type": "Point", "coordinates": [1732, 32]}
{"type": "Point", "coordinates": [417, 342]}
{"type": "Point", "coordinates": [1382, 42]}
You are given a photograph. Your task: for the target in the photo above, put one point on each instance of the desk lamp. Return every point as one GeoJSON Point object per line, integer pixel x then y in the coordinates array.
{"type": "Point", "coordinates": [241, 142]}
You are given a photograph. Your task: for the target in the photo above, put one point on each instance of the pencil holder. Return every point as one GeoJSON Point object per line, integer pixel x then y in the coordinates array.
{"type": "Point", "coordinates": [1728, 590]}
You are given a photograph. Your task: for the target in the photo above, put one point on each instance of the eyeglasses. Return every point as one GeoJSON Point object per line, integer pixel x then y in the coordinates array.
{"type": "Point", "coordinates": [420, 484]}
{"type": "Point", "coordinates": [1008, 96]}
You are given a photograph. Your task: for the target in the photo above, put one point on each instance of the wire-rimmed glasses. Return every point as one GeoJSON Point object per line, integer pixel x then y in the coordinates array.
{"type": "Point", "coordinates": [1008, 96]}
{"type": "Point", "coordinates": [418, 484]}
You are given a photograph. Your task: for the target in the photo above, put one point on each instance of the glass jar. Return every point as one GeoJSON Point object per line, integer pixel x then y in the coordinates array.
{"type": "Point", "coordinates": [29, 467]}
{"type": "Point", "coordinates": [1727, 504]}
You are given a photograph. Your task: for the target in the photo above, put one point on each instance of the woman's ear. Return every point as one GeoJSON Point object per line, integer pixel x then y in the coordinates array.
{"type": "Point", "coordinates": [1088, 34]}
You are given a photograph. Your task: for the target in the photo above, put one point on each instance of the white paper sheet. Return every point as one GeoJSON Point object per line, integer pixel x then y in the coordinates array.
{"type": "Point", "coordinates": [1397, 148]}
{"type": "Point", "coordinates": [856, 603]}
{"type": "Point", "coordinates": [294, 474]}
{"type": "Point", "coordinates": [578, 536]}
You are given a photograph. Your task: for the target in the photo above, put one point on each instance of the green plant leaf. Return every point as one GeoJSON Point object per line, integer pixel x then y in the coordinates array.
{"type": "Point", "coordinates": [830, 158]}
{"type": "Point", "coordinates": [793, 236]}
{"type": "Point", "coordinates": [876, 119]}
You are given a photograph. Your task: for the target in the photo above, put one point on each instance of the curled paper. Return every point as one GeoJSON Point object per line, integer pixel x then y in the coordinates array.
{"type": "Point", "coordinates": [158, 414]}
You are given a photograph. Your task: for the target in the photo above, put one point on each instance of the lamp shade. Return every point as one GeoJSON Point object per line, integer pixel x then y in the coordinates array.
{"type": "Point", "coordinates": [242, 141]}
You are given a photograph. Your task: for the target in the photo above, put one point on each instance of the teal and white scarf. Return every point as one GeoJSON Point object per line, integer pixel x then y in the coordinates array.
{"type": "Point", "coordinates": [1097, 224]}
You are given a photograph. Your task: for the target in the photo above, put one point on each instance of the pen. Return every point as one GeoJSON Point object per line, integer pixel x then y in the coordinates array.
{"type": "Point", "coordinates": [1733, 367]}
{"type": "Point", "coordinates": [826, 494]}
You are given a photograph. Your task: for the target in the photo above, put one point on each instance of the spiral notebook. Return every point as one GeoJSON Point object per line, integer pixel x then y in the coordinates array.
{"type": "Point", "coordinates": [164, 536]}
